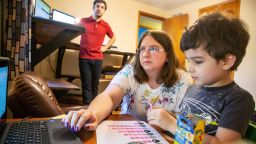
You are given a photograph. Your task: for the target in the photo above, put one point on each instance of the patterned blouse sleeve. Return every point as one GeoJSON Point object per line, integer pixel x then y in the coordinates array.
{"type": "Point", "coordinates": [124, 78]}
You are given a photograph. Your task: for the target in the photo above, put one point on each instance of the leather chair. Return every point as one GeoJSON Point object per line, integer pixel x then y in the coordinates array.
{"type": "Point", "coordinates": [30, 96]}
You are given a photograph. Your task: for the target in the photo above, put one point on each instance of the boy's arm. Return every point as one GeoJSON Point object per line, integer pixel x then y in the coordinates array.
{"type": "Point", "coordinates": [223, 135]}
{"type": "Point", "coordinates": [159, 118]}
{"type": "Point", "coordinates": [227, 135]}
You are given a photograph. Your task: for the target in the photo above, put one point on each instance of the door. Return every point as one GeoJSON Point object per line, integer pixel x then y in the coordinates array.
{"type": "Point", "coordinates": [147, 21]}
{"type": "Point", "coordinates": [175, 27]}
{"type": "Point", "coordinates": [232, 7]}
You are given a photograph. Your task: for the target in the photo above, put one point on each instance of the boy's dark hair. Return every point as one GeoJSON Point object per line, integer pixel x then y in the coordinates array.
{"type": "Point", "coordinates": [219, 35]}
{"type": "Point", "coordinates": [168, 74]}
{"type": "Point", "coordinates": [100, 1]}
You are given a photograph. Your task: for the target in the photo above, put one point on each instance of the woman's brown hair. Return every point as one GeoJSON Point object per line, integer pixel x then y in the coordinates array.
{"type": "Point", "coordinates": [168, 73]}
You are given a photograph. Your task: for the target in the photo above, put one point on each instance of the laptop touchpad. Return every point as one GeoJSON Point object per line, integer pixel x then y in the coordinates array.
{"type": "Point", "coordinates": [60, 134]}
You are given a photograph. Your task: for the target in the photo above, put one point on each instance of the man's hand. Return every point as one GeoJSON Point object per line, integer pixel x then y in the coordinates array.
{"type": "Point", "coordinates": [103, 48]}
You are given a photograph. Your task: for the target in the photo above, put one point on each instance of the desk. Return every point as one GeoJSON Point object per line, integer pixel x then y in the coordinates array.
{"type": "Point", "coordinates": [50, 35]}
{"type": "Point", "coordinates": [127, 57]}
{"type": "Point", "coordinates": [89, 137]}
{"type": "Point", "coordinates": [61, 86]}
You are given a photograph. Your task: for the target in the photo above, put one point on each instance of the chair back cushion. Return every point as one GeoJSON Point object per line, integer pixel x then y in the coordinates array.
{"type": "Point", "coordinates": [30, 96]}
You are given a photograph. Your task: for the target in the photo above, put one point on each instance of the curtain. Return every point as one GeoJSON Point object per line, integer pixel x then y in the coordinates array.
{"type": "Point", "coordinates": [17, 35]}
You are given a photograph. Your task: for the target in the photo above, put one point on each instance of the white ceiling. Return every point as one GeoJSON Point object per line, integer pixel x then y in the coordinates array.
{"type": "Point", "coordinates": [166, 4]}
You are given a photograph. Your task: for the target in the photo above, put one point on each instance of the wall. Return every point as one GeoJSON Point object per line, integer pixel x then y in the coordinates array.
{"type": "Point", "coordinates": [245, 75]}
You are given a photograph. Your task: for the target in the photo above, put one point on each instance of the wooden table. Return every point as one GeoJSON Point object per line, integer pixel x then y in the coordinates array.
{"type": "Point", "coordinates": [89, 137]}
{"type": "Point", "coordinates": [61, 84]}
{"type": "Point", "coordinates": [51, 35]}
{"type": "Point", "coordinates": [60, 87]}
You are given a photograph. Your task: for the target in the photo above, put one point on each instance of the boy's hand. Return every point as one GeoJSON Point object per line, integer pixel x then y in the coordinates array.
{"type": "Point", "coordinates": [160, 118]}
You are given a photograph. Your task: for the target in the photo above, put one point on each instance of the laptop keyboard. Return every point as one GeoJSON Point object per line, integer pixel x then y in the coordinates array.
{"type": "Point", "coordinates": [27, 132]}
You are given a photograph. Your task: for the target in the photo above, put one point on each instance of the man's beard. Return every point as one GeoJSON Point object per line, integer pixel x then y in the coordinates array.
{"type": "Point", "coordinates": [98, 16]}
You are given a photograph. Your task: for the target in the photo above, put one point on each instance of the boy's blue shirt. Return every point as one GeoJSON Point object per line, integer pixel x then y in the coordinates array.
{"type": "Point", "coordinates": [227, 106]}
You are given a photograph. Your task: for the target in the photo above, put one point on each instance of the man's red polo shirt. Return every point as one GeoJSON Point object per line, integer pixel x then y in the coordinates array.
{"type": "Point", "coordinates": [92, 40]}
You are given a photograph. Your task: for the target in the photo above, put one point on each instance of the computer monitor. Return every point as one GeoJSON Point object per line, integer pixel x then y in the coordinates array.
{"type": "Point", "coordinates": [42, 9]}
{"type": "Point", "coordinates": [63, 17]}
{"type": "Point", "coordinates": [4, 67]}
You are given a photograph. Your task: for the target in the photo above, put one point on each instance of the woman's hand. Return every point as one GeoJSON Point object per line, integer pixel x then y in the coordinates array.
{"type": "Point", "coordinates": [76, 120]}
{"type": "Point", "coordinates": [158, 117]}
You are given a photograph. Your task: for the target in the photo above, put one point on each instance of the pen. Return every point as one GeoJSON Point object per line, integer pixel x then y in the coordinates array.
{"type": "Point", "coordinates": [151, 105]}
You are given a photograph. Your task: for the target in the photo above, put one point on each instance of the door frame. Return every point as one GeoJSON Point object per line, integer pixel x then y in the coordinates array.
{"type": "Point", "coordinates": [142, 13]}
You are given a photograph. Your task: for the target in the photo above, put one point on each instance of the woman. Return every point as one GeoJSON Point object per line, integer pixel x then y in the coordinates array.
{"type": "Point", "coordinates": [152, 80]}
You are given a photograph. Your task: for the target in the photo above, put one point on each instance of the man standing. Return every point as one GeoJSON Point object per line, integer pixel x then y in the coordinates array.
{"type": "Point", "coordinates": [91, 50]}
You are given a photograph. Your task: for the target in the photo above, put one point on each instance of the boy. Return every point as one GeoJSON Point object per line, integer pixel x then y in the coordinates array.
{"type": "Point", "coordinates": [214, 46]}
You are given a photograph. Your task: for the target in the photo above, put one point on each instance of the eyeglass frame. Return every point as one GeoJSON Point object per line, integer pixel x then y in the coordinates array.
{"type": "Point", "coordinates": [151, 50]}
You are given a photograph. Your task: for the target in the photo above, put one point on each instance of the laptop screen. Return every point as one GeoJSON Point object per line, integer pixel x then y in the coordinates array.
{"type": "Point", "coordinates": [42, 9]}
{"type": "Point", "coordinates": [3, 85]}
{"type": "Point", "coordinates": [63, 17]}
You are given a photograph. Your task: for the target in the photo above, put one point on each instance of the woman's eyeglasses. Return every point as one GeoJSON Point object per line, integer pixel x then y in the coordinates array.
{"type": "Point", "coordinates": [151, 50]}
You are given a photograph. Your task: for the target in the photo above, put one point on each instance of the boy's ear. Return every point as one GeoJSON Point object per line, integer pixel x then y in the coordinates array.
{"type": "Point", "coordinates": [228, 61]}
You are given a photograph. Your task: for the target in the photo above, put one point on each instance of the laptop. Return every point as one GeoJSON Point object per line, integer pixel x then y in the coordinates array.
{"type": "Point", "coordinates": [34, 132]}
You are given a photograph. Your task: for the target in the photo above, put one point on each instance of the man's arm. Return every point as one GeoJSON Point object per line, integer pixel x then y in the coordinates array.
{"type": "Point", "coordinates": [109, 44]}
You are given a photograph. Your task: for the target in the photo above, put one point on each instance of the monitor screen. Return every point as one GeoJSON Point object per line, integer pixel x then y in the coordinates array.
{"type": "Point", "coordinates": [42, 9]}
{"type": "Point", "coordinates": [63, 17]}
{"type": "Point", "coordinates": [3, 86]}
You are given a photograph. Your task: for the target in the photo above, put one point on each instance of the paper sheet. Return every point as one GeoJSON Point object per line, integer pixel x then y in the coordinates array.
{"type": "Point", "coordinates": [127, 132]}
{"type": "Point", "coordinates": [59, 116]}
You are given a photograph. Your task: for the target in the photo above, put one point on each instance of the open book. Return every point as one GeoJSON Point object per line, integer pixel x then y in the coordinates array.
{"type": "Point", "coordinates": [127, 132]}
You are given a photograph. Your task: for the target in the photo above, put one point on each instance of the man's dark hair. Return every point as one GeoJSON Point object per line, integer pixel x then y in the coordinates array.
{"type": "Point", "coordinates": [219, 35]}
{"type": "Point", "coordinates": [100, 1]}
{"type": "Point", "coordinates": [168, 74]}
